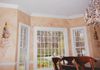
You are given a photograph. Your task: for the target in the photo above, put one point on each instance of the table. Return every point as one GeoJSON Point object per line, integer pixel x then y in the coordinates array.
{"type": "Point", "coordinates": [79, 61]}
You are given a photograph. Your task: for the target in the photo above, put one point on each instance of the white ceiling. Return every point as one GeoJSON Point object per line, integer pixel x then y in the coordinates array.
{"type": "Point", "coordinates": [52, 8]}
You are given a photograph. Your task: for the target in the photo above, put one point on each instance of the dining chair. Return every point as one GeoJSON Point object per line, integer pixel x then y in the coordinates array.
{"type": "Point", "coordinates": [73, 63]}
{"type": "Point", "coordinates": [56, 63]}
{"type": "Point", "coordinates": [69, 63]}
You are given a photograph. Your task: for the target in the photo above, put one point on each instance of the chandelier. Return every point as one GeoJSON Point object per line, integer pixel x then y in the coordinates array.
{"type": "Point", "coordinates": [92, 15]}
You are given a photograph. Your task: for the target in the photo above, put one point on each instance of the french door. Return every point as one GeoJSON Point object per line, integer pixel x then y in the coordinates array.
{"type": "Point", "coordinates": [48, 42]}
{"type": "Point", "coordinates": [23, 47]}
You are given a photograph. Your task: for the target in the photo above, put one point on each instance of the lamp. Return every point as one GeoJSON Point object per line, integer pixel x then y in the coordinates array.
{"type": "Point", "coordinates": [92, 15]}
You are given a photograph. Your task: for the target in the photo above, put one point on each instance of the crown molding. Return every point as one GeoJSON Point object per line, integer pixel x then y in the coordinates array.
{"type": "Point", "coordinates": [47, 15]}
{"type": "Point", "coordinates": [5, 5]}
{"type": "Point", "coordinates": [75, 16]}
{"type": "Point", "coordinates": [14, 6]}
{"type": "Point", "coordinates": [24, 11]}
{"type": "Point", "coordinates": [55, 16]}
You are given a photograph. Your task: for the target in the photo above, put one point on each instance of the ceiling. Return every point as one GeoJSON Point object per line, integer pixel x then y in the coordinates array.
{"type": "Point", "coordinates": [51, 8]}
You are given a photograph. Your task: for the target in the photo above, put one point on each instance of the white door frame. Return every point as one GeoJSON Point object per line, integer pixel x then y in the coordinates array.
{"type": "Point", "coordinates": [28, 44]}
{"type": "Point", "coordinates": [49, 29]}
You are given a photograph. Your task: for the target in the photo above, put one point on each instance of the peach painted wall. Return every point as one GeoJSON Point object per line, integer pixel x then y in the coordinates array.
{"type": "Point", "coordinates": [8, 51]}
{"type": "Point", "coordinates": [95, 43]}
{"type": "Point", "coordinates": [48, 22]}
{"type": "Point", "coordinates": [23, 17]}
{"type": "Point", "coordinates": [76, 22]}
{"type": "Point", "coordinates": [9, 54]}
{"type": "Point", "coordinates": [13, 17]}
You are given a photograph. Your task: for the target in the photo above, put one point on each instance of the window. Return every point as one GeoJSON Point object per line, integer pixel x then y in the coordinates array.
{"type": "Point", "coordinates": [49, 42]}
{"type": "Point", "coordinates": [79, 41]}
{"type": "Point", "coordinates": [23, 47]}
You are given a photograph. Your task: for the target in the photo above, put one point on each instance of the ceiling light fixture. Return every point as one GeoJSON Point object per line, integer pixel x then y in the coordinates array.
{"type": "Point", "coordinates": [92, 15]}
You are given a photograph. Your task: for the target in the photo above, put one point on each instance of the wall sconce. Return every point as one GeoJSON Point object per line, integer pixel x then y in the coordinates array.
{"type": "Point", "coordinates": [6, 33]}
{"type": "Point", "coordinates": [5, 36]}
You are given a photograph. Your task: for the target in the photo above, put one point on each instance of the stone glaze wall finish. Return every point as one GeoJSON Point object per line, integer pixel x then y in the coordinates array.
{"type": "Point", "coordinates": [8, 53]}
{"type": "Point", "coordinates": [13, 17]}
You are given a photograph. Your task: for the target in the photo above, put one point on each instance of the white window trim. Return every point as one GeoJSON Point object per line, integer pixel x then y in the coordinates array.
{"type": "Point", "coordinates": [35, 29]}
{"type": "Point", "coordinates": [86, 40]}
{"type": "Point", "coordinates": [28, 43]}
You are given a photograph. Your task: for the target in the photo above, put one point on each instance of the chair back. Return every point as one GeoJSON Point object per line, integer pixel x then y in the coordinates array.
{"type": "Point", "coordinates": [70, 61]}
{"type": "Point", "coordinates": [56, 63]}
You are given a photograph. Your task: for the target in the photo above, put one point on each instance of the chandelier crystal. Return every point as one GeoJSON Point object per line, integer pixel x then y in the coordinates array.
{"type": "Point", "coordinates": [92, 16]}
{"type": "Point", "coordinates": [92, 13]}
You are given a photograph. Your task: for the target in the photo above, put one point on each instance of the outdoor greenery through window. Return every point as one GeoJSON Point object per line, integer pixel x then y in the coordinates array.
{"type": "Point", "coordinates": [49, 43]}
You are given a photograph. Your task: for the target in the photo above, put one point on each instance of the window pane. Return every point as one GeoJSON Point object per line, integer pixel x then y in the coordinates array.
{"type": "Point", "coordinates": [49, 43]}
{"type": "Point", "coordinates": [79, 42]}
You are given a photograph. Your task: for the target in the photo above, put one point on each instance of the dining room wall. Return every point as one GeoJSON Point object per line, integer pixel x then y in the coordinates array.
{"type": "Point", "coordinates": [23, 17]}
{"type": "Point", "coordinates": [8, 54]}
{"type": "Point", "coordinates": [9, 51]}
{"type": "Point", "coordinates": [68, 24]}
{"type": "Point", "coordinates": [95, 43]}
{"type": "Point", "coordinates": [8, 45]}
